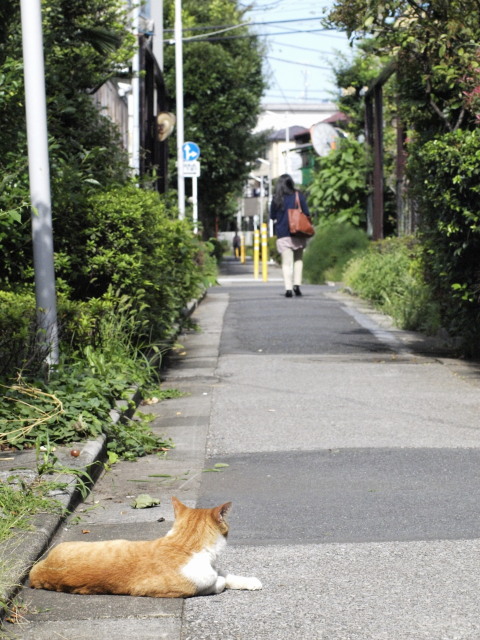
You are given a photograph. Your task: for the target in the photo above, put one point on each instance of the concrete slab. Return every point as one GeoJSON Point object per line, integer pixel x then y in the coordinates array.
{"type": "Point", "coordinates": [309, 402]}
{"type": "Point", "coordinates": [348, 495]}
{"type": "Point", "coordinates": [376, 591]}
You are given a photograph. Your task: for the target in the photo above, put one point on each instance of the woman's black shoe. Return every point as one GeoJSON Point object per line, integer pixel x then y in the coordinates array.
{"type": "Point", "coordinates": [296, 290]}
{"type": "Point", "coordinates": [288, 293]}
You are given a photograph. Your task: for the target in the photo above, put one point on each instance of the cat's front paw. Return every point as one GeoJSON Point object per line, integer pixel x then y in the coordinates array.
{"type": "Point", "coordinates": [253, 584]}
{"type": "Point", "coordinates": [241, 582]}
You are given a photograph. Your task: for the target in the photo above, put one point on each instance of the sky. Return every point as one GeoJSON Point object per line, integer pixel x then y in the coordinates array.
{"type": "Point", "coordinates": [299, 51]}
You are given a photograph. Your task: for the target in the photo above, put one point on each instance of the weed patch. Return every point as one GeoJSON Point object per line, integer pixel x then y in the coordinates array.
{"type": "Point", "coordinates": [20, 500]}
{"type": "Point", "coordinates": [389, 275]}
{"type": "Point", "coordinates": [334, 244]}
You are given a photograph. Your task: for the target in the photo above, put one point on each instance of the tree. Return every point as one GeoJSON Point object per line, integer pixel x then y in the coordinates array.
{"type": "Point", "coordinates": [223, 85]}
{"type": "Point", "coordinates": [436, 46]}
{"type": "Point", "coordinates": [86, 42]}
{"type": "Point", "coordinates": [352, 77]}
{"type": "Point", "coordinates": [339, 190]}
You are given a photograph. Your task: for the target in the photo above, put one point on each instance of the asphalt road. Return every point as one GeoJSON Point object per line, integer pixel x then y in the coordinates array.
{"type": "Point", "coordinates": [353, 468]}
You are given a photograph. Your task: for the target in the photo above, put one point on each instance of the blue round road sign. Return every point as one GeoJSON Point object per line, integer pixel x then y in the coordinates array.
{"type": "Point", "coordinates": [191, 151]}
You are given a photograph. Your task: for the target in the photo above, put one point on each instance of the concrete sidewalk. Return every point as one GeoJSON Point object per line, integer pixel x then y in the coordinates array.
{"type": "Point", "coordinates": [107, 512]}
{"type": "Point", "coordinates": [353, 513]}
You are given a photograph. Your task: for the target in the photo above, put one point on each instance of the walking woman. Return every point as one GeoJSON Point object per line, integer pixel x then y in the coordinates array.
{"type": "Point", "coordinates": [290, 247]}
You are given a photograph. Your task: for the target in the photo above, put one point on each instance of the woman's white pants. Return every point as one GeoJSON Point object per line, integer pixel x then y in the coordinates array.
{"type": "Point", "coordinates": [292, 267]}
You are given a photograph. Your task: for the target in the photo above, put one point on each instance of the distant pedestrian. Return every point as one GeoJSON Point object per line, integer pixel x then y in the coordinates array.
{"type": "Point", "coordinates": [236, 246]}
{"type": "Point", "coordinates": [290, 247]}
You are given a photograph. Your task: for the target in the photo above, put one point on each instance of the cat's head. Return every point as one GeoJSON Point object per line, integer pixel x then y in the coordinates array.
{"type": "Point", "coordinates": [214, 518]}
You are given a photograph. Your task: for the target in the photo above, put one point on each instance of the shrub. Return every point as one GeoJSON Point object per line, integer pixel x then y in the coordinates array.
{"type": "Point", "coordinates": [75, 402]}
{"type": "Point", "coordinates": [217, 249]}
{"type": "Point", "coordinates": [131, 243]}
{"type": "Point", "coordinates": [339, 187]}
{"type": "Point", "coordinates": [333, 245]}
{"type": "Point", "coordinates": [446, 188]}
{"type": "Point", "coordinates": [272, 249]}
{"type": "Point", "coordinates": [17, 331]}
{"type": "Point", "coordinates": [389, 274]}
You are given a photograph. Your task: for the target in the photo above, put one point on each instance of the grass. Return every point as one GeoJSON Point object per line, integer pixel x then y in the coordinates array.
{"type": "Point", "coordinates": [390, 276]}
{"type": "Point", "coordinates": [334, 244]}
{"type": "Point", "coordinates": [21, 500]}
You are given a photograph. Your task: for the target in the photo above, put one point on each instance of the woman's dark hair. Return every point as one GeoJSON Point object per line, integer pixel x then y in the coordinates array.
{"type": "Point", "coordinates": [284, 186]}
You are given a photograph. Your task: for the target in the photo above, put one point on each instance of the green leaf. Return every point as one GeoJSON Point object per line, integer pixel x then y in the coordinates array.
{"type": "Point", "coordinates": [145, 501]}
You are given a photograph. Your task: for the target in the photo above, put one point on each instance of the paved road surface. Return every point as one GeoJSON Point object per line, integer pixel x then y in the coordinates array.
{"type": "Point", "coordinates": [353, 469]}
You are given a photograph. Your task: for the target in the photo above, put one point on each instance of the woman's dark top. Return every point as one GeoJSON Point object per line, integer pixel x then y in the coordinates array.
{"type": "Point", "coordinates": [281, 215]}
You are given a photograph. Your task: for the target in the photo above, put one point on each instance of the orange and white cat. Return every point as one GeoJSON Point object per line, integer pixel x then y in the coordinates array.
{"type": "Point", "coordinates": [179, 565]}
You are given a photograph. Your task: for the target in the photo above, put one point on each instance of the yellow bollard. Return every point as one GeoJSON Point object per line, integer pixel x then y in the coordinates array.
{"type": "Point", "coordinates": [264, 253]}
{"type": "Point", "coordinates": [256, 251]}
{"type": "Point", "coordinates": [242, 248]}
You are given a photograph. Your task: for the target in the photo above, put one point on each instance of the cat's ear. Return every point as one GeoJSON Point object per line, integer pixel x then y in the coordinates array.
{"type": "Point", "coordinates": [220, 512]}
{"type": "Point", "coordinates": [178, 506]}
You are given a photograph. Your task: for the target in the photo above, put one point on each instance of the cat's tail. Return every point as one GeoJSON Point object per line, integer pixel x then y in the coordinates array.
{"type": "Point", "coordinates": [37, 576]}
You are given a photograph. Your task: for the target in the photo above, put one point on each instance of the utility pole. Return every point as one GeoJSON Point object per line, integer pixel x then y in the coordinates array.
{"type": "Point", "coordinates": [157, 15]}
{"type": "Point", "coordinates": [179, 92]}
{"type": "Point", "coordinates": [39, 176]}
{"type": "Point", "coordinates": [135, 148]}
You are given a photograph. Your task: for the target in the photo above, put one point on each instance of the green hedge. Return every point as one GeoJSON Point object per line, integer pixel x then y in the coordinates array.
{"type": "Point", "coordinates": [445, 180]}
{"type": "Point", "coordinates": [333, 245]}
{"type": "Point", "coordinates": [131, 243]}
{"type": "Point", "coordinates": [17, 331]}
{"type": "Point", "coordinates": [389, 274]}
{"type": "Point", "coordinates": [339, 188]}
{"type": "Point", "coordinates": [132, 252]}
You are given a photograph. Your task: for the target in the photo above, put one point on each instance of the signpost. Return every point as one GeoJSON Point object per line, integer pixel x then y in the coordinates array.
{"type": "Point", "coordinates": [191, 151]}
{"type": "Point", "coordinates": [191, 169]}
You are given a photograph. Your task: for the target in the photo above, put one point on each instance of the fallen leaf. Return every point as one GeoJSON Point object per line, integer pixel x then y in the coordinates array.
{"type": "Point", "coordinates": [85, 530]}
{"type": "Point", "coordinates": [145, 501]}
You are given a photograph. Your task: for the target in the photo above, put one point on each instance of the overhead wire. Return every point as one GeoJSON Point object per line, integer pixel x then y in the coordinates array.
{"type": "Point", "coordinates": [296, 46]}
{"type": "Point", "coordinates": [217, 35]}
{"type": "Point", "coordinates": [303, 64]}
{"type": "Point", "coordinates": [243, 24]}
{"type": "Point", "coordinates": [208, 37]}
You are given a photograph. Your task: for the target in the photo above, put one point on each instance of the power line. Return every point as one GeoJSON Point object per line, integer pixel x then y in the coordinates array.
{"type": "Point", "coordinates": [295, 46]}
{"type": "Point", "coordinates": [243, 24]}
{"type": "Point", "coordinates": [303, 64]}
{"type": "Point", "coordinates": [207, 38]}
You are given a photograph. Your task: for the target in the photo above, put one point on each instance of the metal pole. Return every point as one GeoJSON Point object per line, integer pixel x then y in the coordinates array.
{"type": "Point", "coordinates": [378, 164]}
{"type": "Point", "coordinates": [369, 141]}
{"type": "Point", "coordinates": [264, 237]}
{"type": "Point", "coordinates": [195, 203]}
{"type": "Point", "coordinates": [157, 15]}
{"type": "Point", "coordinates": [287, 144]}
{"type": "Point", "coordinates": [39, 175]}
{"type": "Point", "coordinates": [179, 99]}
{"type": "Point", "coordinates": [256, 253]}
{"type": "Point", "coordinates": [135, 158]}
{"type": "Point", "coordinates": [262, 201]}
